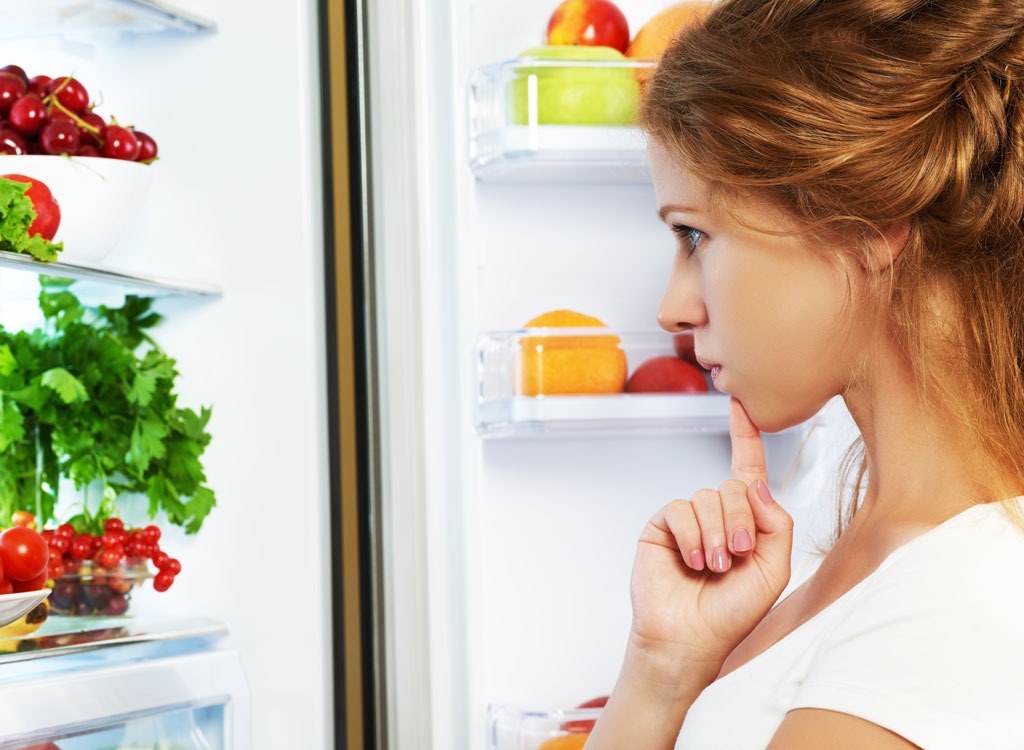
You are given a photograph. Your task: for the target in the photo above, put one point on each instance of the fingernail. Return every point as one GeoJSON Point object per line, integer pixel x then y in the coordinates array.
{"type": "Point", "coordinates": [719, 560]}
{"type": "Point", "coordinates": [697, 560]}
{"type": "Point", "coordinates": [764, 493]}
{"type": "Point", "coordinates": [741, 541]}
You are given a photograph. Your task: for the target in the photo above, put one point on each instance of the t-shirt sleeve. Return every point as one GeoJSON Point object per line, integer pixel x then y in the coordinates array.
{"type": "Point", "coordinates": [933, 650]}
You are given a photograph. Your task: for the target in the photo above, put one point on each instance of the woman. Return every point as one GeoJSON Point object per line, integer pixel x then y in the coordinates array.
{"type": "Point", "coordinates": [846, 182]}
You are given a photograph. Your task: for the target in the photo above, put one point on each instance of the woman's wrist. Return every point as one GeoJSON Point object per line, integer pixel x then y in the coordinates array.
{"type": "Point", "coordinates": [656, 687]}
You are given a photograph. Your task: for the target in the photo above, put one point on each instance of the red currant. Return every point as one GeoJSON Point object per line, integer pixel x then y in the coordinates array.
{"type": "Point", "coordinates": [163, 580]}
{"type": "Point", "coordinates": [151, 534]}
{"type": "Point", "coordinates": [113, 525]}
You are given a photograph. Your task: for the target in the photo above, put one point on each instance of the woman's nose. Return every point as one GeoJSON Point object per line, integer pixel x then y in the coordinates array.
{"type": "Point", "coordinates": [682, 306]}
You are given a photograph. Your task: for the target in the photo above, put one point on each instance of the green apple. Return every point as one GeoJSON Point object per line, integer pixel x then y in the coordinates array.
{"type": "Point", "coordinates": [595, 94]}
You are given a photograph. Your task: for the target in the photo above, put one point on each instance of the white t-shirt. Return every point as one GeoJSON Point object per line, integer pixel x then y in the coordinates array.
{"type": "Point", "coordinates": [930, 646]}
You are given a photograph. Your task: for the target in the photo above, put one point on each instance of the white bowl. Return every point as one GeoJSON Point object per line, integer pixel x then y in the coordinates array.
{"type": "Point", "coordinates": [13, 606]}
{"type": "Point", "coordinates": [99, 198]}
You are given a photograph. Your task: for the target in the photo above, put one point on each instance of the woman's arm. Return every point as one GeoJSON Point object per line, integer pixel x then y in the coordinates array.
{"type": "Point", "coordinates": [815, 728]}
{"type": "Point", "coordinates": [650, 700]}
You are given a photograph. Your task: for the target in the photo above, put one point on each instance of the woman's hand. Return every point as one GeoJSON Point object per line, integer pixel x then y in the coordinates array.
{"type": "Point", "coordinates": [708, 569]}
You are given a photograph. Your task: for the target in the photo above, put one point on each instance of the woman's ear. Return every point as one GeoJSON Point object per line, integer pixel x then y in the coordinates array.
{"type": "Point", "coordinates": [888, 244]}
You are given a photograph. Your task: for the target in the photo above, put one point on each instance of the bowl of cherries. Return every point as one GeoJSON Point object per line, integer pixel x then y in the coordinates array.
{"type": "Point", "coordinates": [97, 169]}
{"type": "Point", "coordinates": [95, 574]}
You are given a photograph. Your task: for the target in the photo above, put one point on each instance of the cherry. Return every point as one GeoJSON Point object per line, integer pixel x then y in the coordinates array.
{"type": "Point", "coordinates": [16, 70]}
{"type": "Point", "coordinates": [59, 137]}
{"type": "Point", "coordinates": [147, 146]}
{"type": "Point", "coordinates": [98, 128]}
{"type": "Point", "coordinates": [12, 88]}
{"type": "Point", "coordinates": [120, 144]}
{"type": "Point", "coordinates": [70, 93]}
{"type": "Point", "coordinates": [12, 142]}
{"type": "Point", "coordinates": [28, 114]}
{"type": "Point", "coordinates": [37, 84]}
{"type": "Point", "coordinates": [89, 150]}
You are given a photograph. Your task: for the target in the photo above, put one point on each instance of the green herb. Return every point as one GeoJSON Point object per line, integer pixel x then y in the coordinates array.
{"type": "Point", "coordinates": [16, 215]}
{"type": "Point", "coordinates": [90, 397]}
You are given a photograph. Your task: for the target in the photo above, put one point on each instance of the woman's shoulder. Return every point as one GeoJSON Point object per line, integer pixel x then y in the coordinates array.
{"type": "Point", "coordinates": [931, 644]}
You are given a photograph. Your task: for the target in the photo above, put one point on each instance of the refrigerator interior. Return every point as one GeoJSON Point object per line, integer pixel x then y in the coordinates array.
{"type": "Point", "coordinates": [235, 203]}
{"type": "Point", "coordinates": [528, 538]}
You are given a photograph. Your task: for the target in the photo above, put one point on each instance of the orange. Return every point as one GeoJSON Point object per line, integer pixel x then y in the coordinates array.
{"type": "Point", "coordinates": [653, 37]}
{"type": "Point", "coordinates": [565, 742]}
{"type": "Point", "coordinates": [570, 365]}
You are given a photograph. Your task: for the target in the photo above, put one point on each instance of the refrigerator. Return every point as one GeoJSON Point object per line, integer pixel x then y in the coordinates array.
{"type": "Point", "coordinates": [346, 241]}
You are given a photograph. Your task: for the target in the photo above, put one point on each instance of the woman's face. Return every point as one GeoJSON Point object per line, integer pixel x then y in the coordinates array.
{"type": "Point", "coordinates": [772, 318]}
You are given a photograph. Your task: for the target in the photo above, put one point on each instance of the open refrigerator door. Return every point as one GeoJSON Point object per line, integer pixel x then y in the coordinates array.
{"type": "Point", "coordinates": [508, 518]}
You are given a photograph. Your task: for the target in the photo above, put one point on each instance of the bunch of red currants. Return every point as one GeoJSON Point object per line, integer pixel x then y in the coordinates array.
{"type": "Point", "coordinates": [44, 115]}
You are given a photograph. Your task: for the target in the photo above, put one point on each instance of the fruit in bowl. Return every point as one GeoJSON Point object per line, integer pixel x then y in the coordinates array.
{"type": "Point", "coordinates": [95, 167]}
{"type": "Point", "coordinates": [95, 574]}
{"type": "Point", "coordinates": [594, 87]}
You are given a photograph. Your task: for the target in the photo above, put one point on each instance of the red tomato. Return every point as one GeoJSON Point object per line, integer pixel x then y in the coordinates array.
{"type": "Point", "coordinates": [584, 725]}
{"type": "Point", "coordinates": [32, 584]}
{"type": "Point", "coordinates": [24, 553]}
{"type": "Point", "coordinates": [43, 203]}
{"type": "Point", "coordinates": [6, 587]}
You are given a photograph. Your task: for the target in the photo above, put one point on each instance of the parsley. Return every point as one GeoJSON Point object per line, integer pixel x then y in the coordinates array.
{"type": "Point", "coordinates": [16, 215]}
{"type": "Point", "coordinates": [90, 397]}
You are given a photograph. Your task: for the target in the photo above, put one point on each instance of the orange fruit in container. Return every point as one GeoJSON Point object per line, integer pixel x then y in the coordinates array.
{"type": "Point", "coordinates": [654, 36]}
{"type": "Point", "coordinates": [565, 742]}
{"type": "Point", "coordinates": [582, 364]}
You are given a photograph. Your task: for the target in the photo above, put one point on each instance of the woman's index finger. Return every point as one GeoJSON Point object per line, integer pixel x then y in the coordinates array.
{"type": "Point", "coordinates": [748, 463]}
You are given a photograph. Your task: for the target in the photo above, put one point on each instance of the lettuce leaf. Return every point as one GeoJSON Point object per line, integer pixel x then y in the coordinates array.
{"type": "Point", "coordinates": [16, 215]}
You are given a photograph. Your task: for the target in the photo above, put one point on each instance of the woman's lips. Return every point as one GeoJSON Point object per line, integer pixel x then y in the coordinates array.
{"type": "Point", "coordinates": [711, 367]}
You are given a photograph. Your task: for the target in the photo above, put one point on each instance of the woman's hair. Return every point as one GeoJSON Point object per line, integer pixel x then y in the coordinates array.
{"type": "Point", "coordinates": [861, 115]}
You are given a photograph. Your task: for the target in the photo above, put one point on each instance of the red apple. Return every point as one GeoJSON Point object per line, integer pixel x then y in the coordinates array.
{"type": "Point", "coordinates": [666, 374]}
{"type": "Point", "coordinates": [683, 344]}
{"type": "Point", "coordinates": [584, 725]}
{"type": "Point", "coordinates": [594, 23]}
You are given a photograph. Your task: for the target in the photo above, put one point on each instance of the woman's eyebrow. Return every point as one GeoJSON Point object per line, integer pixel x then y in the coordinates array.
{"type": "Point", "coordinates": [665, 210]}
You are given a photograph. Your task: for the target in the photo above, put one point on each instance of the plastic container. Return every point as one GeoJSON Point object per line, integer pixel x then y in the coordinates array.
{"type": "Point", "coordinates": [515, 728]}
{"type": "Point", "coordinates": [95, 590]}
{"type": "Point", "coordinates": [525, 382]}
{"type": "Point", "coordinates": [542, 120]}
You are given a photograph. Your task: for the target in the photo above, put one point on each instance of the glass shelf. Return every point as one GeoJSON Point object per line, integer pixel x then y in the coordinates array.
{"type": "Point", "coordinates": [61, 636]}
{"type": "Point", "coordinates": [565, 121]}
{"type": "Point", "coordinates": [574, 381]}
{"type": "Point", "coordinates": [73, 18]}
{"type": "Point", "coordinates": [134, 283]}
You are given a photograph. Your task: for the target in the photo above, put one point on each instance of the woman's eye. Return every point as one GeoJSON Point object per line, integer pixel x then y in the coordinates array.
{"type": "Point", "coordinates": [690, 236]}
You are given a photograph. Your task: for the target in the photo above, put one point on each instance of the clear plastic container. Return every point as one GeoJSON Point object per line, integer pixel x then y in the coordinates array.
{"type": "Point", "coordinates": [572, 381]}
{"type": "Point", "coordinates": [514, 728]}
{"type": "Point", "coordinates": [543, 120]}
{"type": "Point", "coordinates": [94, 590]}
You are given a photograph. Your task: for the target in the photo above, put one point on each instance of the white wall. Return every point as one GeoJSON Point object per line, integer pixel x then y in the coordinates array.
{"type": "Point", "coordinates": [236, 201]}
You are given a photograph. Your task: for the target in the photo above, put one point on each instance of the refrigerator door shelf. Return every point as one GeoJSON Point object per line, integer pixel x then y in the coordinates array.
{"type": "Point", "coordinates": [525, 383]}
{"type": "Point", "coordinates": [514, 728]}
{"type": "Point", "coordinates": [545, 121]}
